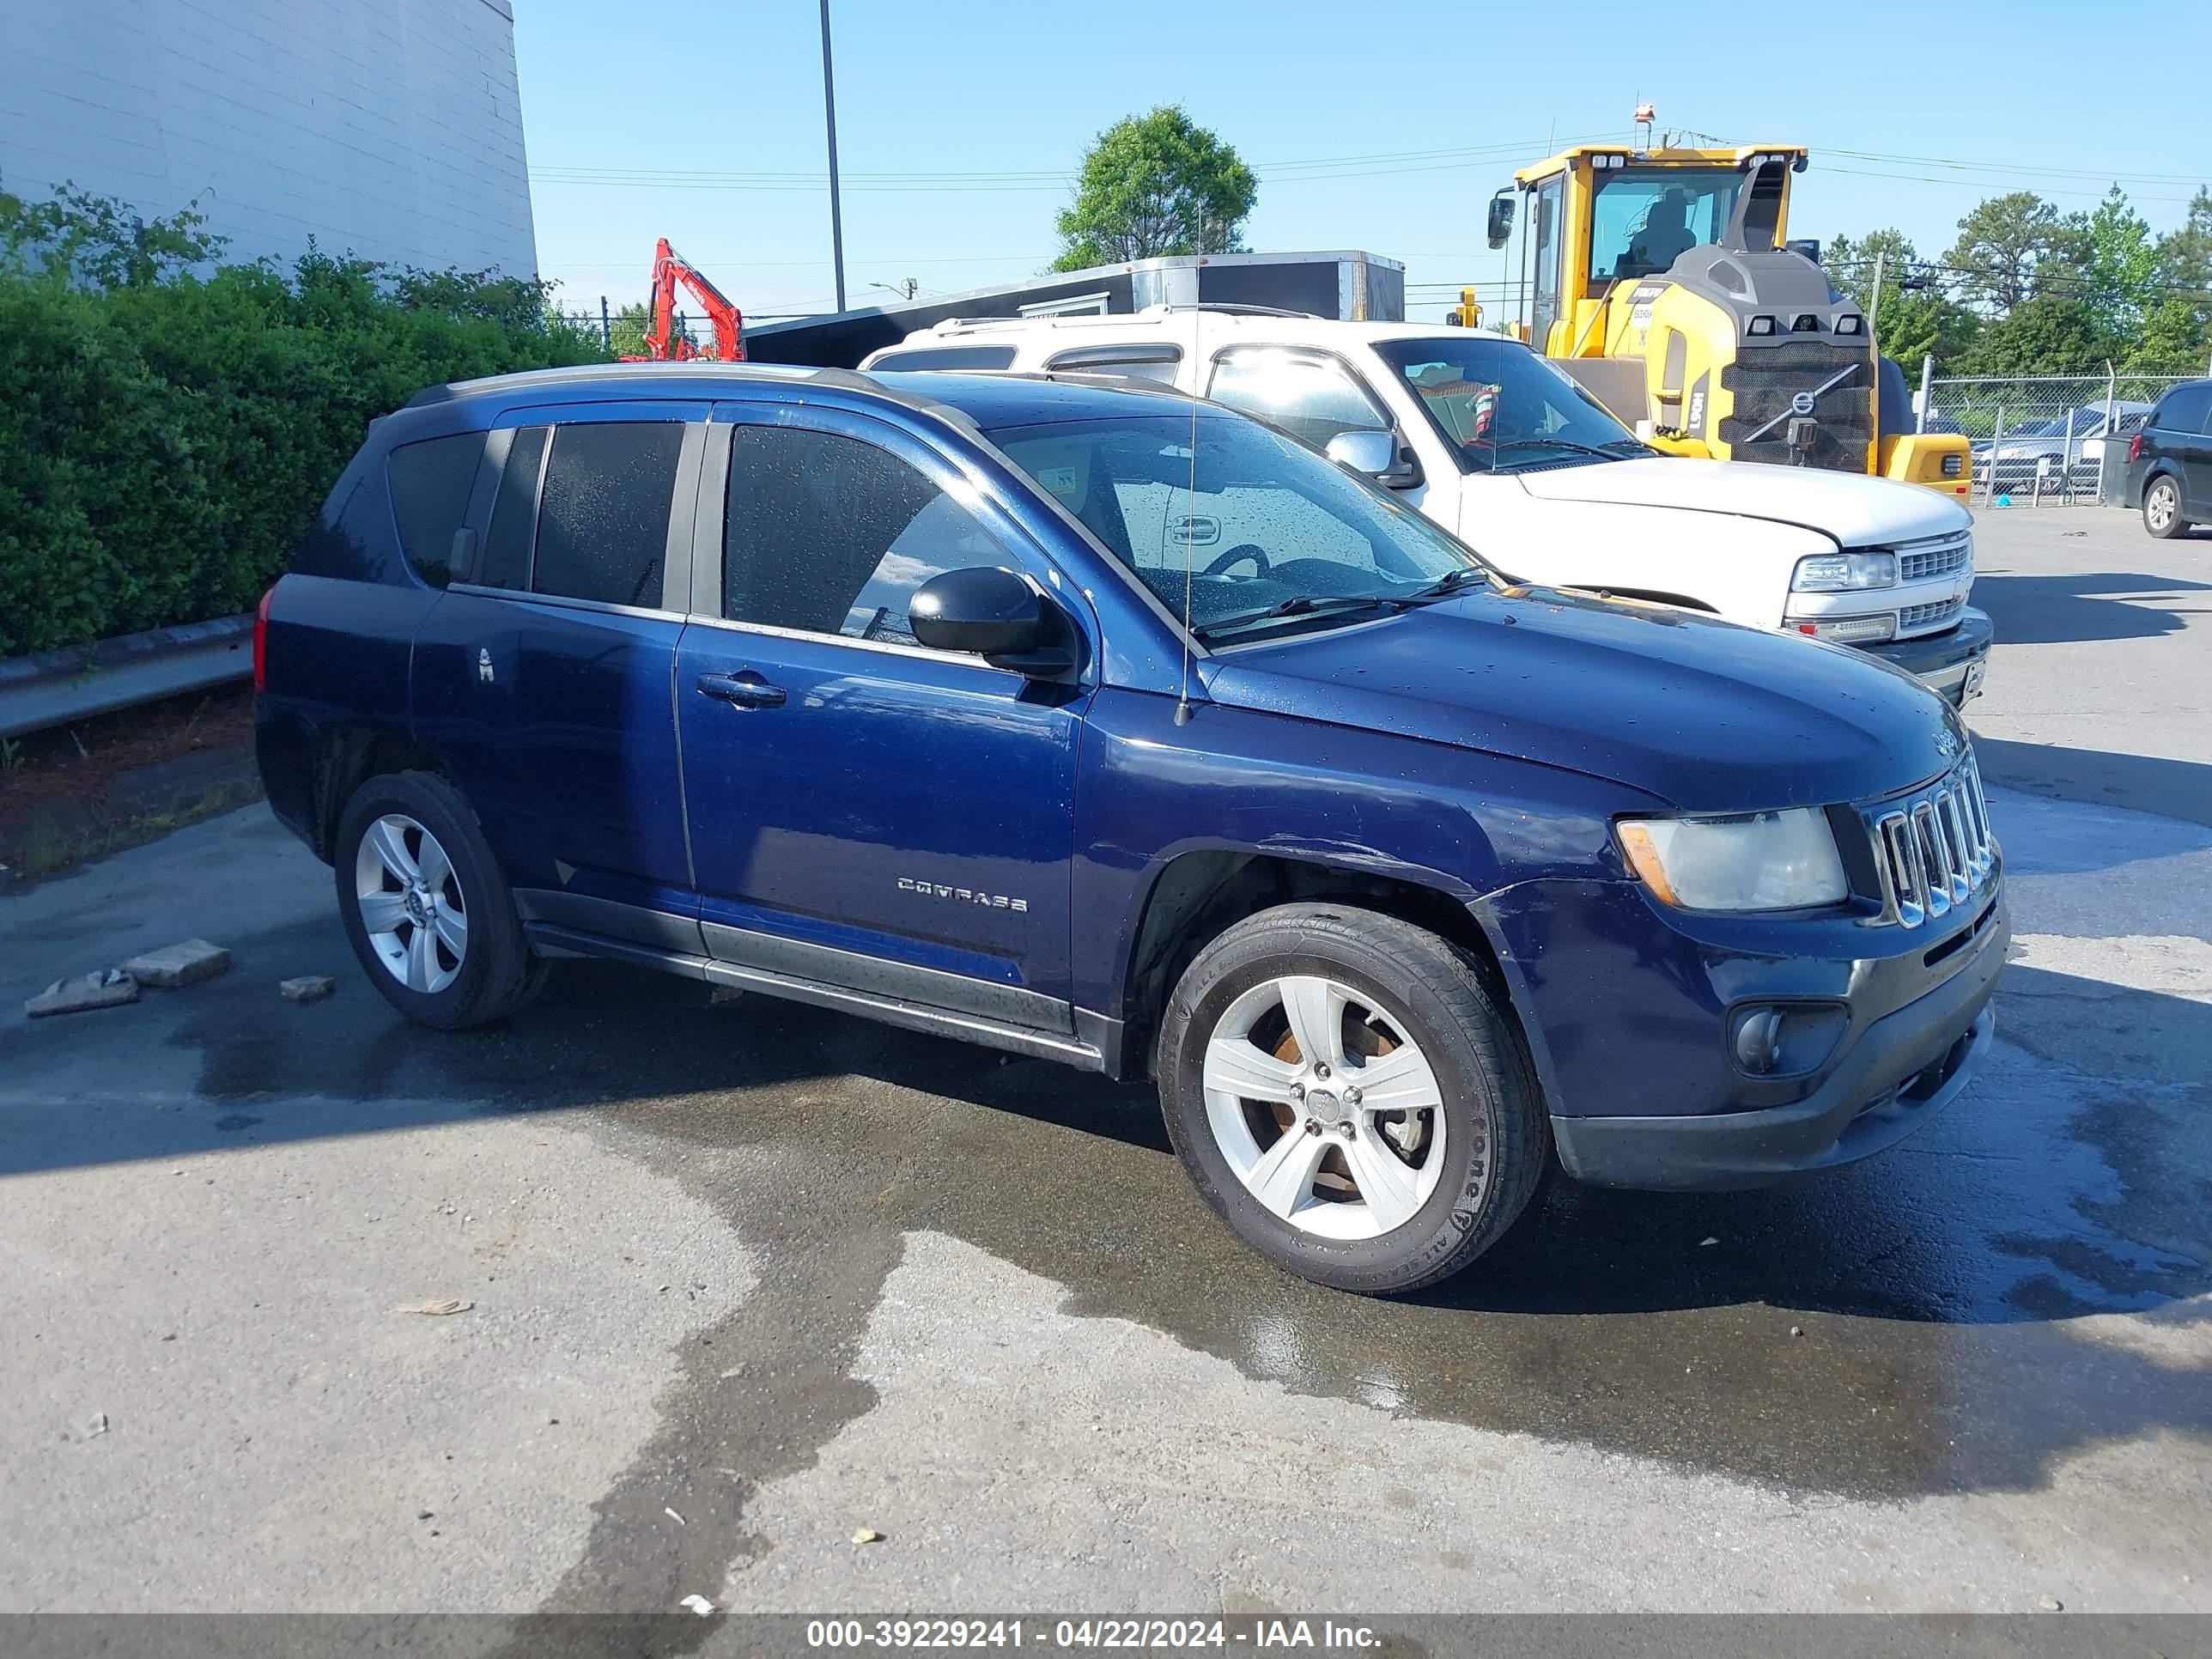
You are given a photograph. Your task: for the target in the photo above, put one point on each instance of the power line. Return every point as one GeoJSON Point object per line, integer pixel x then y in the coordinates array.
{"type": "Point", "coordinates": [2032, 169]}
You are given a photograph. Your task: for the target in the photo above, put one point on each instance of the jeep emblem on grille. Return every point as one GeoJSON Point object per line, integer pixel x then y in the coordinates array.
{"type": "Point", "coordinates": [1946, 744]}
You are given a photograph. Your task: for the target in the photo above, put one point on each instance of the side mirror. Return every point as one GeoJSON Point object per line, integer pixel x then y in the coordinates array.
{"type": "Point", "coordinates": [1376, 455]}
{"type": "Point", "coordinates": [1501, 217]}
{"type": "Point", "coordinates": [992, 613]}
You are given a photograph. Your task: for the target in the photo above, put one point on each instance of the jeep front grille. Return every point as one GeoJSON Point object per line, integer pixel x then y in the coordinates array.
{"type": "Point", "coordinates": [1933, 849]}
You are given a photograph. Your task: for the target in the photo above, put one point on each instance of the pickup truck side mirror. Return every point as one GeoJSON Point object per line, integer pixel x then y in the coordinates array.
{"type": "Point", "coordinates": [1379, 456]}
{"type": "Point", "coordinates": [993, 613]}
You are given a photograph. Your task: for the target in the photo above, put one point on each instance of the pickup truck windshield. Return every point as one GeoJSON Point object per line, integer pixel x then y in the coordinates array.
{"type": "Point", "coordinates": [1498, 407]}
{"type": "Point", "coordinates": [1268, 533]}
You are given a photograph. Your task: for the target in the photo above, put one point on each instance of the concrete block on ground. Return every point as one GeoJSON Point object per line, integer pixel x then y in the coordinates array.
{"type": "Point", "coordinates": [309, 988]}
{"type": "Point", "coordinates": [72, 996]}
{"type": "Point", "coordinates": [174, 965]}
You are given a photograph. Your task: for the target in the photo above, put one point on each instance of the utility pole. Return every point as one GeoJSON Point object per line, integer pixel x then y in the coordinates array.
{"type": "Point", "coordinates": [829, 115]}
{"type": "Point", "coordinates": [1874, 305]}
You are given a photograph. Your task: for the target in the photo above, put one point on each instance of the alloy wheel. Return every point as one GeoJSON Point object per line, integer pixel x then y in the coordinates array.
{"type": "Point", "coordinates": [1324, 1108]}
{"type": "Point", "coordinates": [2158, 510]}
{"type": "Point", "coordinates": [412, 904]}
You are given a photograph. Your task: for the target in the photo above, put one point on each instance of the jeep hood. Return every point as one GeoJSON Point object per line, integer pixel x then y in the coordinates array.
{"type": "Point", "coordinates": [1697, 713]}
{"type": "Point", "coordinates": [1858, 512]}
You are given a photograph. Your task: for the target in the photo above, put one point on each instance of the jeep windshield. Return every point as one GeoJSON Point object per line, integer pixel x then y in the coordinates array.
{"type": "Point", "coordinates": [1255, 531]}
{"type": "Point", "coordinates": [1498, 407]}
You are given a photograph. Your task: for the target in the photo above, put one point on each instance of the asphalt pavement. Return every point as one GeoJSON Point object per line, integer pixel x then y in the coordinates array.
{"type": "Point", "coordinates": [746, 1277]}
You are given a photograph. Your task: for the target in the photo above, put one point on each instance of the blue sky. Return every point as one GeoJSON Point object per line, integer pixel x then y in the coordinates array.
{"type": "Point", "coordinates": [959, 125]}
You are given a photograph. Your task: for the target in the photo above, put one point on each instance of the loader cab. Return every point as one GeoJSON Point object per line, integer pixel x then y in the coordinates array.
{"type": "Point", "coordinates": [1663, 283]}
{"type": "Point", "coordinates": [1603, 218]}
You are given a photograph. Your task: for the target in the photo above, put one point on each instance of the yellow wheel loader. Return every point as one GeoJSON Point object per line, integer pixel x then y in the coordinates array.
{"type": "Point", "coordinates": [1661, 280]}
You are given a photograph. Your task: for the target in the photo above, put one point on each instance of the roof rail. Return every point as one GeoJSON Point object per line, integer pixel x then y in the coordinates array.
{"type": "Point", "coordinates": [954, 325]}
{"type": "Point", "coordinates": [1229, 309]}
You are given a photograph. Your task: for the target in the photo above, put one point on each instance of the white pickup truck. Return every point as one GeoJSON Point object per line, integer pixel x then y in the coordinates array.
{"type": "Point", "coordinates": [1497, 445]}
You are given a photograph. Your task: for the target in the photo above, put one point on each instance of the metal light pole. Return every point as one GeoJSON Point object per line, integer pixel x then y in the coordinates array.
{"type": "Point", "coordinates": [829, 114]}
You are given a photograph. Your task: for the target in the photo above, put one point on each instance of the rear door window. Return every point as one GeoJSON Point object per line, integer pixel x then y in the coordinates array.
{"type": "Point", "coordinates": [431, 482]}
{"type": "Point", "coordinates": [603, 516]}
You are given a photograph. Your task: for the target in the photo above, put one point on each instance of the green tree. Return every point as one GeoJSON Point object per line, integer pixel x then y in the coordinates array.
{"type": "Point", "coordinates": [2177, 334]}
{"type": "Point", "coordinates": [2185, 256]}
{"type": "Point", "coordinates": [2047, 334]}
{"type": "Point", "coordinates": [1152, 184]}
{"type": "Point", "coordinates": [2174, 340]}
{"type": "Point", "coordinates": [2000, 245]}
{"type": "Point", "coordinates": [1914, 317]}
{"type": "Point", "coordinates": [2115, 266]}
{"type": "Point", "coordinates": [628, 328]}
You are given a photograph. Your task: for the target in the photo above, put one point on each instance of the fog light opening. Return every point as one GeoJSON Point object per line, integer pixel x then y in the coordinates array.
{"type": "Point", "coordinates": [1758, 1041]}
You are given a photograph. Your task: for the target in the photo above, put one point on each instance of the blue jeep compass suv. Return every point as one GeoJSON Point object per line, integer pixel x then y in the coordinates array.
{"type": "Point", "coordinates": [1091, 722]}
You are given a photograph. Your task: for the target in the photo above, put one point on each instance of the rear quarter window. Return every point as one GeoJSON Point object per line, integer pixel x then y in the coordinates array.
{"type": "Point", "coordinates": [350, 536]}
{"type": "Point", "coordinates": [430, 483]}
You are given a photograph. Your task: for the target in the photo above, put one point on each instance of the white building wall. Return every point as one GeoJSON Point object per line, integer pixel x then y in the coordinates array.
{"type": "Point", "coordinates": [388, 129]}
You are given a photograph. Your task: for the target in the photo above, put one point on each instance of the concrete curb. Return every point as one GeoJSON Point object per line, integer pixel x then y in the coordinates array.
{"type": "Point", "coordinates": [79, 682]}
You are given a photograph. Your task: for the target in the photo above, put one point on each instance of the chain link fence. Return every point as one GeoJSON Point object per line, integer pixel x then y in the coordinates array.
{"type": "Point", "coordinates": [2046, 439]}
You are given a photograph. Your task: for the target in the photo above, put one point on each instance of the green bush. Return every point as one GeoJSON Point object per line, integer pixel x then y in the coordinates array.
{"type": "Point", "coordinates": [165, 436]}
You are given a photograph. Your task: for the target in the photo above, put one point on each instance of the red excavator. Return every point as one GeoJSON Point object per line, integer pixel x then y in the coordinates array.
{"type": "Point", "coordinates": [662, 342]}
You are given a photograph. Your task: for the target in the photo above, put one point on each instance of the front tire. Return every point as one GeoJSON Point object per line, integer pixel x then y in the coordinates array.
{"type": "Point", "coordinates": [2161, 508]}
{"type": "Point", "coordinates": [426, 906]}
{"type": "Point", "coordinates": [1350, 1098]}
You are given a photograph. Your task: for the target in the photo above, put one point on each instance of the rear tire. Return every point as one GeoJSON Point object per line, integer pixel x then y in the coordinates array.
{"type": "Point", "coordinates": [2161, 508]}
{"type": "Point", "coordinates": [1451, 1155]}
{"type": "Point", "coordinates": [427, 908]}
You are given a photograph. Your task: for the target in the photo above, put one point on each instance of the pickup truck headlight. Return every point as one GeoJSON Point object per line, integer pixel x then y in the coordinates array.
{"type": "Point", "coordinates": [1843, 573]}
{"type": "Point", "coordinates": [1783, 860]}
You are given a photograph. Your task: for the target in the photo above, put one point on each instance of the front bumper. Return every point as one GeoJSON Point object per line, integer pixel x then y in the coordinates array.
{"type": "Point", "coordinates": [1951, 663]}
{"type": "Point", "coordinates": [1900, 1071]}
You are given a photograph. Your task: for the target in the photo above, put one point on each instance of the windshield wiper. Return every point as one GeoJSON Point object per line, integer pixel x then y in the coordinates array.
{"type": "Point", "coordinates": [1557, 443]}
{"type": "Point", "coordinates": [1298, 604]}
{"type": "Point", "coordinates": [1448, 584]}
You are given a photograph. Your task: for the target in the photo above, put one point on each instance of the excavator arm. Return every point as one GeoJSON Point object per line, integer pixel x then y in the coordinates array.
{"type": "Point", "coordinates": [662, 342]}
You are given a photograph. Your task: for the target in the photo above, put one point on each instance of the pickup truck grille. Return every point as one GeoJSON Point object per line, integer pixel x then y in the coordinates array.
{"type": "Point", "coordinates": [1933, 848]}
{"type": "Point", "coordinates": [1926, 618]}
{"type": "Point", "coordinates": [1916, 561]}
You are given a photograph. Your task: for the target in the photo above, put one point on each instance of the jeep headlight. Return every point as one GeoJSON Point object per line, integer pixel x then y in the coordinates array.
{"type": "Point", "coordinates": [1783, 860]}
{"type": "Point", "coordinates": [1842, 573]}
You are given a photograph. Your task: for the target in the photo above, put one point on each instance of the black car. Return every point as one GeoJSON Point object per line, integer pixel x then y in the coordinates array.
{"type": "Point", "coordinates": [2170, 462]}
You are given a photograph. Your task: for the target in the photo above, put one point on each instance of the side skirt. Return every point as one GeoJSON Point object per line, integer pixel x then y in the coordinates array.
{"type": "Point", "coordinates": [1092, 1055]}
